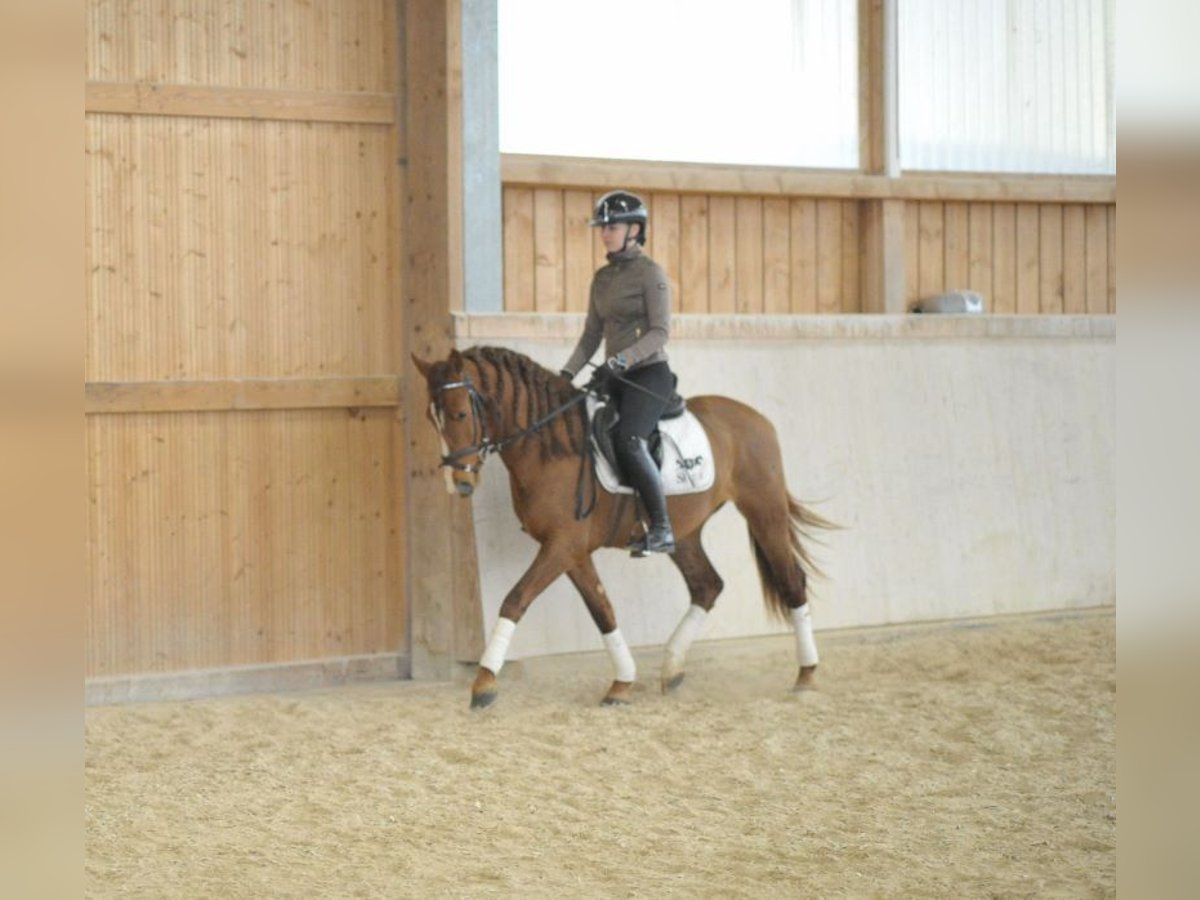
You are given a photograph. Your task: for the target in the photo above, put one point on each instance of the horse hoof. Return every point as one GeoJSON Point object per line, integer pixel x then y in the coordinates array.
{"type": "Point", "coordinates": [806, 680]}
{"type": "Point", "coordinates": [670, 684]}
{"type": "Point", "coordinates": [484, 700]}
{"type": "Point", "coordinates": [619, 694]}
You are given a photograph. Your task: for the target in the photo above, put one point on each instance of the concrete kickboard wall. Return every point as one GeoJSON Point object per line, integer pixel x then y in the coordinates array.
{"type": "Point", "coordinates": [970, 459]}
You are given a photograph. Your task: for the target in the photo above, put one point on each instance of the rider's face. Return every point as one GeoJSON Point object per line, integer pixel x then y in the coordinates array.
{"type": "Point", "coordinates": [614, 235]}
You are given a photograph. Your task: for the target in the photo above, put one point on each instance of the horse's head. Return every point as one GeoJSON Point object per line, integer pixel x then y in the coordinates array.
{"type": "Point", "coordinates": [456, 413]}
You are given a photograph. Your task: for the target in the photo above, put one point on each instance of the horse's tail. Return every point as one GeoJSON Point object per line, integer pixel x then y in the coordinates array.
{"type": "Point", "coordinates": [784, 574]}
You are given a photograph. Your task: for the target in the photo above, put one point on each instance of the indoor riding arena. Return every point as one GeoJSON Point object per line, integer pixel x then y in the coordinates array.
{"type": "Point", "coordinates": [287, 608]}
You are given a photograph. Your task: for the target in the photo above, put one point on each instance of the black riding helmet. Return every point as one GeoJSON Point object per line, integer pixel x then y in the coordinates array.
{"type": "Point", "coordinates": [622, 206]}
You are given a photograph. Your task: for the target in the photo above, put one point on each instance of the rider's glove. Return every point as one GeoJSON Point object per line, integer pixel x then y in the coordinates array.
{"type": "Point", "coordinates": [617, 363]}
{"type": "Point", "coordinates": [599, 381]}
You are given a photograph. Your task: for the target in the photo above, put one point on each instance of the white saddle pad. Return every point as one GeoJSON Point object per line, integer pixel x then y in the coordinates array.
{"type": "Point", "coordinates": [687, 457]}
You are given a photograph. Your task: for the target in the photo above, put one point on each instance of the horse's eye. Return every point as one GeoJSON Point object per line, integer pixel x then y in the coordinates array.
{"type": "Point", "coordinates": [459, 416]}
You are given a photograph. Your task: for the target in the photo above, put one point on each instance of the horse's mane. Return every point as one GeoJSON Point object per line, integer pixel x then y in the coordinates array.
{"type": "Point", "coordinates": [519, 391]}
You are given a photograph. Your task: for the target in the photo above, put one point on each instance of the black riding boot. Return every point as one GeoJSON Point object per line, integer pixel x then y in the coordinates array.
{"type": "Point", "coordinates": [644, 478]}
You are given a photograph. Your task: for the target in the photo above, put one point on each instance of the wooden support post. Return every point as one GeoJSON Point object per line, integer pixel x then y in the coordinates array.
{"type": "Point", "coordinates": [882, 235]}
{"type": "Point", "coordinates": [883, 263]}
{"type": "Point", "coordinates": [441, 578]}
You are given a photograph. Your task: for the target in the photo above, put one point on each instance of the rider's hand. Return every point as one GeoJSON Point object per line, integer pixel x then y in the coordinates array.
{"type": "Point", "coordinates": [599, 380]}
{"type": "Point", "coordinates": [617, 363]}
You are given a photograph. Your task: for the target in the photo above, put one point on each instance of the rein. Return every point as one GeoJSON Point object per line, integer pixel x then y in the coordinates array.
{"type": "Point", "coordinates": [484, 445]}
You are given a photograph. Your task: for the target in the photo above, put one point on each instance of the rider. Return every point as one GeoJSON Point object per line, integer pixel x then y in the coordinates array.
{"type": "Point", "coordinates": [630, 308]}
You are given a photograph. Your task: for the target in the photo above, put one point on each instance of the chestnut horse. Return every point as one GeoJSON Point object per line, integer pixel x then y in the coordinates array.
{"type": "Point", "coordinates": [493, 400]}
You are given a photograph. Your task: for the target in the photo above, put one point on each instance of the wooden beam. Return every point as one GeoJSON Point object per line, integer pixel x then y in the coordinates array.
{"type": "Point", "coordinates": [441, 577]}
{"type": "Point", "coordinates": [883, 263]}
{"type": "Point", "coordinates": [239, 103]}
{"type": "Point", "coordinates": [881, 240]}
{"type": "Point", "coordinates": [699, 178]}
{"type": "Point", "coordinates": [873, 93]}
{"type": "Point", "coordinates": [102, 397]}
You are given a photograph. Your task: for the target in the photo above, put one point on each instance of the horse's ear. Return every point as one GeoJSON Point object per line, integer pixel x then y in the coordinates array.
{"type": "Point", "coordinates": [422, 366]}
{"type": "Point", "coordinates": [456, 361]}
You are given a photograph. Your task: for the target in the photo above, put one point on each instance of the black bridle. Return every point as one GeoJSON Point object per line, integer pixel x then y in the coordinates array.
{"type": "Point", "coordinates": [482, 444]}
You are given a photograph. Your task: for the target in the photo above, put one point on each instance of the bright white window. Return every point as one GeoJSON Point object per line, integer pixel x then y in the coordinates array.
{"type": "Point", "coordinates": [763, 82]}
{"type": "Point", "coordinates": [1006, 85]}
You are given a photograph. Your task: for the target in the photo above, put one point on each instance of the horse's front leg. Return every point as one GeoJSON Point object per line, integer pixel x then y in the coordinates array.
{"type": "Point", "coordinates": [587, 582]}
{"type": "Point", "coordinates": [547, 565]}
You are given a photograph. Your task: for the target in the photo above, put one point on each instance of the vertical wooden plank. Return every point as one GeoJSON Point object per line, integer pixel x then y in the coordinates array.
{"type": "Point", "coordinates": [1004, 258]}
{"type": "Point", "coordinates": [776, 249]}
{"type": "Point", "coordinates": [851, 295]}
{"type": "Point", "coordinates": [829, 256]}
{"type": "Point", "coordinates": [693, 254]}
{"type": "Point", "coordinates": [804, 256]}
{"type": "Point", "coordinates": [454, 147]}
{"type": "Point", "coordinates": [577, 249]}
{"type": "Point", "coordinates": [1074, 260]}
{"type": "Point", "coordinates": [1096, 250]}
{"type": "Point", "coordinates": [1028, 250]}
{"type": "Point", "coordinates": [912, 253]}
{"type": "Point", "coordinates": [441, 551]}
{"type": "Point", "coordinates": [932, 266]}
{"type": "Point", "coordinates": [748, 255]}
{"type": "Point", "coordinates": [979, 252]}
{"type": "Point", "coordinates": [1050, 263]}
{"type": "Point", "coordinates": [871, 251]}
{"type": "Point", "coordinates": [874, 65]}
{"type": "Point", "coordinates": [663, 242]}
{"type": "Point", "coordinates": [518, 249]}
{"type": "Point", "coordinates": [882, 270]}
{"type": "Point", "coordinates": [548, 261]}
{"type": "Point", "coordinates": [1112, 258]}
{"type": "Point", "coordinates": [957, 232]}
{"type": "Point", "coordinates": [599, 254]}
{"type": "Point", "coordinates": [722, 254]}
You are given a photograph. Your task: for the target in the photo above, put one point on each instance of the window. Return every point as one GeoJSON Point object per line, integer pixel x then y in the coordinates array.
{"type": "Point", "coordinates": [770, 82]}
{"type": "Point", "coordinates": [1007, 85]}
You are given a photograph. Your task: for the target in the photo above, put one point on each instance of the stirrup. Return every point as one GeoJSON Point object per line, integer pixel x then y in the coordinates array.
{"type": "Point", "coordinates": [656, 540]}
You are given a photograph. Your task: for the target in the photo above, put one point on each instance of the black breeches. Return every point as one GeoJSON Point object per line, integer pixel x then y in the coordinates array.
{"type": "Point", "coordinates": [640, 410]}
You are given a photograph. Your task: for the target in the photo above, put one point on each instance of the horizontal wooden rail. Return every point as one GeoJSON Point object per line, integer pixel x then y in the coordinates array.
{"type": "Point", "coordinates": [696, 178]}
{"type": "Point", "coordinates": [240, 394]}
{"type": "Point", "coordinates": [239, 103]}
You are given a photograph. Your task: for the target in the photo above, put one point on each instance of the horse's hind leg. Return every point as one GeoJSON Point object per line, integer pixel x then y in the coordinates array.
{"type": "Point", "coordinates": [772, 521]}
{"type": "Point", "coordinates": [704, 585]}
{"type": "Point", "coordinates": [587, 582]}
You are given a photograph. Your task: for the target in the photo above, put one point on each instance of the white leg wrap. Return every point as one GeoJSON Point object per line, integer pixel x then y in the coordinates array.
{"type": "Point", "coordinates": [497, 648]}
{"type": "Point", "coordinates": [686, 632]}
{"type": "Point", "coordinates": [806, 647]}
{"type": "Point", "coordinates": [624, 668]}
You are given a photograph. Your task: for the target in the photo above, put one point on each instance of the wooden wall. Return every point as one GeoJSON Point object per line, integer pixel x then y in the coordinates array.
{"type": "Point", "coordinates": [767, 253]}
{"type": "Point", "coordinates": [246, 471]}
{"type": "Point", "coordinates": [1024, 258]}
{"type": "Point", "coordinates": [724, 254]}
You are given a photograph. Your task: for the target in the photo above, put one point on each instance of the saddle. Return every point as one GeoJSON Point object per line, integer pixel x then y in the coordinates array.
{"type": "Point", "coordinates": [679, 446]}
{"type": "Point", "coordinates": [604, 423]}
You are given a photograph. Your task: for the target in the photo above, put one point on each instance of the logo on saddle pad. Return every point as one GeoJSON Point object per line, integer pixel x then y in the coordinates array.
{"type": "Point", "coordinates": [687, 466]}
